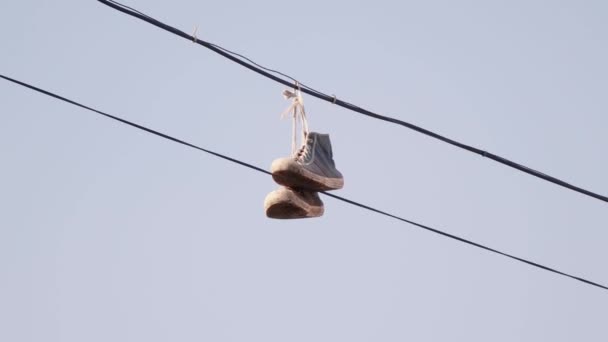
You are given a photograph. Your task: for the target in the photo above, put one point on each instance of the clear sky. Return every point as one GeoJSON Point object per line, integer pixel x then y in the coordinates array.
{"type": "Point", "coordinates": [111, 234]}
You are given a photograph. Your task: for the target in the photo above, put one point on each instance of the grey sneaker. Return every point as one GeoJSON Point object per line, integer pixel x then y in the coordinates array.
{"type": "Point", "coordinates": [285, 203]}
{"type": "Point", "coordinates": [311, 168]}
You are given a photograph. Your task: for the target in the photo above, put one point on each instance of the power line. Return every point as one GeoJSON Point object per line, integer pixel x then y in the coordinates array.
{"type": "Point", "coordinates": [253, 167]}
{"type": "Point", "coordinates": [271, 74]}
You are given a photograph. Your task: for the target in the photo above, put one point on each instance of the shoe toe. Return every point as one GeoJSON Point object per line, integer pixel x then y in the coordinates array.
{"type": "Point", "coordinates": [281, 164]}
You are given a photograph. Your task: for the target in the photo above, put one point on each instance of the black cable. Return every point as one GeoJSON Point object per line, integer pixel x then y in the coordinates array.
{"type": "Point", "coordinates": [162, 135]}
{"type": "Point", "coordinates": [251, 65]}
{"type": "Point", "coordinates": [253, 167]}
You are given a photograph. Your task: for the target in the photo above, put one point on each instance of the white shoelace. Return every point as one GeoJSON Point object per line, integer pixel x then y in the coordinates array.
{"type": "Point", "coordinates": [296, 111]}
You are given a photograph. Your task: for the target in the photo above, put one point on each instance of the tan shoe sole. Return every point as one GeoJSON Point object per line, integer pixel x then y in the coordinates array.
{"type": "Point", "coordinates": [287, 172]}
{"type": "Point", "coordinates": [285, 203]}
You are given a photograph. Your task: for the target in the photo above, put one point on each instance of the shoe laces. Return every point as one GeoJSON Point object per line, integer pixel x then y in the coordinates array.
{"type": "Point", "coordinates": [297, 112]}
{"type": "Point", "coordinates": [303, 153]}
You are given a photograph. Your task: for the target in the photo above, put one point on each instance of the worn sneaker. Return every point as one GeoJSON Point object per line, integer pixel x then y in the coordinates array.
{"type": "Point", "coordinates": [285, 203]}
{"type": "Point", "coordinates": [311, 168]}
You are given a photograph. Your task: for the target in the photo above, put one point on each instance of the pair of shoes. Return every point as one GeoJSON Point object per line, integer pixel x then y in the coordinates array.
{"type": "Point", "coordinates": [309, 170]}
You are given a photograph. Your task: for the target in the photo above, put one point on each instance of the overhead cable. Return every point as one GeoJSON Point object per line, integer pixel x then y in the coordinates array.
{"type": "Point", "coordinates": [345, 200]}
{"type": "Point", "coordinates": [272, 74]}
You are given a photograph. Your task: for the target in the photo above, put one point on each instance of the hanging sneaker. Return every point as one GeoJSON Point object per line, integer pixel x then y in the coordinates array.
{"type": "Point", "coordinates": [285, 203]}
{"type": "Point", "coordinates": [311, 168]}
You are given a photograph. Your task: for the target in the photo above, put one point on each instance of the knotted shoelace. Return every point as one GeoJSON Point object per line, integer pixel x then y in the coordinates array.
{"type": "Point", "coordinates": [297, 112]}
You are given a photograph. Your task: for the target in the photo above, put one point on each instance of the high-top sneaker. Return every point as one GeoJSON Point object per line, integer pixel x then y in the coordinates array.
{"type": "Point", "coordinates": [311, 168]}
{"type": "Point", "coordinates": [285, 203]}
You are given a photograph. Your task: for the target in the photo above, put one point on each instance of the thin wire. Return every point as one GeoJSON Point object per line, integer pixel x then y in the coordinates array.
{"type": "Point", "coordinates": [162, 135]}
{"type": "Point", "coordinates": [345, 200]}
{"type": "Point", "coordinates": [271, 74]}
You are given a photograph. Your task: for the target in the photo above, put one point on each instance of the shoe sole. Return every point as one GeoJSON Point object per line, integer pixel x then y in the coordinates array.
{"type": "Point", "coordinates": [289, 173]}
{"type": "Point", "coordinates": [286, 211]}
{"type": "Point", "coordinates": [284, 205]}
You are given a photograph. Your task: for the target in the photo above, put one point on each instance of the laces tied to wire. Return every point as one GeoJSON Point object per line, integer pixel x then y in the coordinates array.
{"type": "Point", "coordinates": [297, 112]}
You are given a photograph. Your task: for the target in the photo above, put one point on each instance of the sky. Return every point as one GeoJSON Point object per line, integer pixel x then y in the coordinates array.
{"type": "Point", "coordinates": [108, 233]}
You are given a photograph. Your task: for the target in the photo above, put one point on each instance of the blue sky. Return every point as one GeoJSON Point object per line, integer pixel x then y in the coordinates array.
{"type": "Point", "coordinates": [109, 233]}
